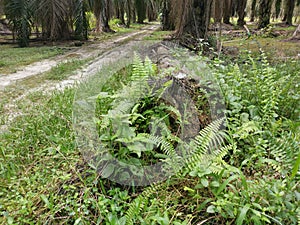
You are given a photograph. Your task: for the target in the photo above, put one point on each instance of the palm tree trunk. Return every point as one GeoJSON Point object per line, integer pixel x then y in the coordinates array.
{"type": "Point", "coordinates": [277, 8]}
{"type": "Point", "coordinates": [218, 12]}
{"type": "Point", "coordinates": [264, 13]}
{"type": "Point", "coordinates": [140, 6]}
{"type": "Point", "coordinates": [195, 18]}
{"type": "Point", "coordinates": [241, 12]}
{"type": "Point", "coordinates": [253, 11]}
{"type": "Point", "coordinates": [290, 5]}
{"type": "Point", "coordinates": [227, 11]}
{"type": "Point", "coordinates": [128, 12]}
{"type": "Point", "coordinates": [168, 23]}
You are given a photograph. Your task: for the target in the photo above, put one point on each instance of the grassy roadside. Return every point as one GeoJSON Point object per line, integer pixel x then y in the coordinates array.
{"type": "Point", "coordinates": [13, 58]}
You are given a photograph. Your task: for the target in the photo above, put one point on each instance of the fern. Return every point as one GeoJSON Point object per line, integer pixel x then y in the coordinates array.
{"type": "Point", "coordinates": [283, 153]}
{"type": "Point", "coordinates": [123, 101]}
{"type": "Point", "coordinates": [141, 201]}
{"type": "Point", "coordinates": [203, 152]}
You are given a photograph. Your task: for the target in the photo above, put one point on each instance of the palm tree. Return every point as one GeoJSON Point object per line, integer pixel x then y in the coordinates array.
{"type": "Point", "coordinates": [1, 8]}
{"type": "Point", "coordinates": [129, 7]}
{"type": "Point", "coordinates": [168, 23]}
{"type": "Point", "coordinates": [194, 17]}
{"type": "Point", "coordinates": [120, 10]}
{"type": "Point", "coordinates": [152, 10]}
{"type": "Point", "coordinates": [277, 8]}
{"type": "Point", "coordinates": [140, 6]}
{"type": "Point", "coordinates": [53, 16]}
{"type": "Point", "coordinates": [81, 22]}
{"type": "Point", "coordinates": [253, 10]}
{"type": "Point", "coordinates": [264, 13]}
{"type": "Point", "coordinates": [102, 12]}
{"type": "Point", "coordinates": [19, 13]}
{"type": "Point", "coordinates": [227, 11]}
{"type": "Point", "coordinates": [289, 7]}
{"type": "Point", "coordinates": [241, 6]}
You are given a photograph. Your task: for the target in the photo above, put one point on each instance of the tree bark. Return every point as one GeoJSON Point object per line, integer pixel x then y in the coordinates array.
{"type": "Point", "coordinates": [264, 13]}
{"type": "Point", "coordinates": [168, 23]}
{"type": "Point", "coordinates": [227, 11]}
{"type": "Point", "coordinates": [218, 12]}
{"type": "Point", "coordinates": [128, 12]}
{"type": "Point", "coordinates": [140, 6]}
{"type": "Point", "coordinates": [151, 11]}
{"type": "Point", "coordinates": [253, 10]}
{"type": "Point", "coordinates": [105, 16]}
{"type": "Point", "coordinates": [277, 8]}
{"type": "Point", "coordinates": [241, 6]}
{"type": "Point", "coordinates": [290, 5]}
{"type": "Point", "coordinates": [195, 18]}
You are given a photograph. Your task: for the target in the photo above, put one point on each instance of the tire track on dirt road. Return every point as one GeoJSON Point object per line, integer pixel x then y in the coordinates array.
{"type": "Point", "coordinates": [101, 53]}
{"type": "Point", "coordinates": [89, 51]}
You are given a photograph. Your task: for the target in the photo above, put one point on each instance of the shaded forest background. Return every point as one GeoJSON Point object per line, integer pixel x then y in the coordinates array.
{"type": "Point", "coordinates": [191, 19]}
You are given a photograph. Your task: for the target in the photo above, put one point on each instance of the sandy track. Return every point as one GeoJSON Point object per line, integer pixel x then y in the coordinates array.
{"type": "Point", "coordinates": [100, 52]}
{"type": "Point", "coordinates": [92, 50]}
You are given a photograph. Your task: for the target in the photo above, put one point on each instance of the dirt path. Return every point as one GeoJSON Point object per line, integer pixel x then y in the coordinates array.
{"type": "Point", "coordinates": [82, 53]}
{"type": "Point", "coordinates": [13, 87]}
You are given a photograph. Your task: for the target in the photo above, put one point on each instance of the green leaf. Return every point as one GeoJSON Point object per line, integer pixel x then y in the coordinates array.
{"type": "Point", "coordinates": [215, 184]}
{"type": "Point", "coordinates": [77, 221]}
{"type": "Point", "coordinates": [211, 209]}
{"type": "Point", "coordinates": [204, 182]}
{"type": "Point", "coordinates": [108, 171]}
{"type": "Point", "coordinates": [45, 200]}
{"type": "Point", "coordinates": [189, 189]}
{"type": "Point", "coordinates": [224, 184]}
{"type": "Point", "coordinates": [295, 167]}
{"type": "Point", "coordinates": [10, 220]}
{"type": "Point", "coordinates": [256, 220]}
{"type": "Point", "coordinates": [242, 215]}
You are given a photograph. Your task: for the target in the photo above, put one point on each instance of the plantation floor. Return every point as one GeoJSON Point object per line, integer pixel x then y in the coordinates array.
{"type": "Point", "coordinates": [62, 71]}
{"type": "Point", "coordinates": [85, 52]}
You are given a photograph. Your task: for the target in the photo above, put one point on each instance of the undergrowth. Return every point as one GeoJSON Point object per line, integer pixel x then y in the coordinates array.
{"type": "Point", "coordinates": [251, 177]}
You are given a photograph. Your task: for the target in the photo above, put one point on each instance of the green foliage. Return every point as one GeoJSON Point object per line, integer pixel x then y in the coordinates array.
{"type": "Point", "coordinates": [19, 14]}
{"type": "Point", "coordinates": [63, 70]}
{"type": "Point", "coordinates": [260, 118]}
{"type": "Point", "coordinates": [246, 175]}
{"type": "Point", "coordinates": [81, 21]}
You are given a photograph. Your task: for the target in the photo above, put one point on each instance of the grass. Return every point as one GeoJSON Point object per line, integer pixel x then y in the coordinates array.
{"type": "Point", "coordinates": [276, 48]}
{"type": "Point", "coordinates": [12, 59]}
{"type": "Point", "coordinates": [159, 35]}
{"type": "Point", "coordinates": [43, 178]}
{"type": "Point", "coordinates": [40, 170]}
{"type": "Point", "coordinates": [64, 70]}
{"type": "Point", "coordinates": [119, 30]}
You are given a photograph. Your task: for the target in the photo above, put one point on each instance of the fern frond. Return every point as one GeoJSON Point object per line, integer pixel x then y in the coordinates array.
{"type": "Point", "coordinates": [138, 69]}
{"type": "Point", "coordinates": [166, 146]}
{"type": "Point", "coordinates": [208, 137]}
{"type": "Point", "coordinates": [283, 152]}
{"type": "Point", "coordinates": [207, 146]}
{"type": "Point", "coordinates": [141, 201]}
